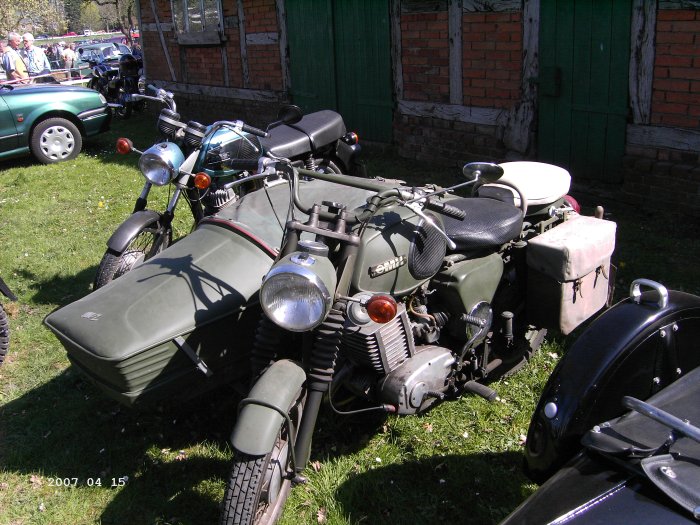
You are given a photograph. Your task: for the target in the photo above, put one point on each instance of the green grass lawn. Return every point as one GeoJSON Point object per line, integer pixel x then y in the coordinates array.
{"type": "Point", "coordinates": [70, 455]}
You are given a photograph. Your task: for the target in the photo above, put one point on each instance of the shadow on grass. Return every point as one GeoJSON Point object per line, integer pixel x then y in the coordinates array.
{"type": "Point", "coordinates": [59, 289]}
{"type": "Point", "coordinates": [439, 489]}
{"type": "Point", "coordinates": [67, 429]}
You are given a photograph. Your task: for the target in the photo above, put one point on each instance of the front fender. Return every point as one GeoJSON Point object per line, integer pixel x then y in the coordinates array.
{"type": "Point", "coordinates": [258, 425]}
{"type": "Point", "coordinates": [632, 349]}
{"type": "Point", "coordinates": [130, 228]}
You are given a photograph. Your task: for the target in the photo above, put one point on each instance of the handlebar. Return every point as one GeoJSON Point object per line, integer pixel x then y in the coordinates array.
{"type": "Point", "coordinates": [161, 95]}
{"type": "Point", "coordinates": [445, 209]}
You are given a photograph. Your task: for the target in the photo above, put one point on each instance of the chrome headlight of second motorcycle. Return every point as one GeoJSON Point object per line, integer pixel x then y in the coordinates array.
{"type": "Point", "coordinates": [160, 163]}
{"type": "Point", "coordinates": [297, 293]}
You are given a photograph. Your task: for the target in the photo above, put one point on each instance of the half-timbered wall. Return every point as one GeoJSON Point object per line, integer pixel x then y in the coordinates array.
{"type": "Point", "coordinates": [463, 81]}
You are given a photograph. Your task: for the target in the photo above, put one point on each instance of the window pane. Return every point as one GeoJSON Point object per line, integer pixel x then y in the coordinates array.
{"type": "Point", "coordinates": [178, 15]}
{"type": "Point", "coordinates": [194, 15]}
{"type": "Point", "coordinates": [211, 14]}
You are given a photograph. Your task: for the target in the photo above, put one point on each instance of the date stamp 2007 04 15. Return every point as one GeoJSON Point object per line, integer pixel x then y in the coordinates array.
{"type": "Point", "coordinates": [90, 482]}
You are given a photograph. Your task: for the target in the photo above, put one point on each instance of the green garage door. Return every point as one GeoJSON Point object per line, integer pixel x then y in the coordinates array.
{"type": "Point", "coordinates": [583, 85]}
{"type": "Point", "coordinates": [340, 58]}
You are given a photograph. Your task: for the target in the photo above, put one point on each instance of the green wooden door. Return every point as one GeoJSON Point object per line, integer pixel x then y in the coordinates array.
{"type": "Point", "coordinates": [340, 58]}
{"type": "Point", "coordinates": [583, 85]}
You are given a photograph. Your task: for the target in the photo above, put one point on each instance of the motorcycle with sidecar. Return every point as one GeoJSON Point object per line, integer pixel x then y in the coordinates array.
{"type": "Point", "coordinates": [616, 433]}
{"type": "Point", "coordinates": [205, 176]}
{"type": "Point", "coordinates": [319, 285]}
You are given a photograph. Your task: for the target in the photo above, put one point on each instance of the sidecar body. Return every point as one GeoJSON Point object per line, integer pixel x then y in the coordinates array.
{"type": "Point", "coordinates": [621, 476]}
{"type": "Point", "coordinates": [640, 346]}
{"type": "Point", "coordinates": [184, 321]}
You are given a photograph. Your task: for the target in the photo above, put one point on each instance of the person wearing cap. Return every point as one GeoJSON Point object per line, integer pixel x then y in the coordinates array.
{"type": "Point", "coordinates": [34, 57]}
{"type": "Point", "coordinates": [12, 62]}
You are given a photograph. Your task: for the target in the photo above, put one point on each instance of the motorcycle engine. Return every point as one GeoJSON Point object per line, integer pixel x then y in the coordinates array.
{"type": "Point", "coordinates": [387, 361]}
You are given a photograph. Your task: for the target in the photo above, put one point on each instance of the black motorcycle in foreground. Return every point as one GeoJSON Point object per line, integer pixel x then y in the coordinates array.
{"type": "Point", "coordinates": [4, 321]}
{"type": "Point", "coordinates": [204, 165]}
{"type": "Point", "coordinates": [642, 467]}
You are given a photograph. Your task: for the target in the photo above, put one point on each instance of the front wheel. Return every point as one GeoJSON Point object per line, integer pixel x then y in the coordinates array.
{"type": "Point", "coordinates": [4, 334]}
{"type": "Point", "coordinates": [258, 486]}
{"type": "Point", "coordinates": [55, 139]}
{"type": "Point", "coordinates": [139, 249]}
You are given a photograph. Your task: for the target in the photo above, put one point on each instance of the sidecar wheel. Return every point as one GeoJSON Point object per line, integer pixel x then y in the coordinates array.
{"type": "Point", "coordinates": [4, 334]}
{"type": "Point", "coordinates": [115, 264]}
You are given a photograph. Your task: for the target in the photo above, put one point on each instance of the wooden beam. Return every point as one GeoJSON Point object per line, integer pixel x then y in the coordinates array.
{"type": "Point", "coordinates": [219, 91]}
{"type": "Point", "coordinates": [284, 46]}
{"type": "Point", "coordinates": [454, 10]}
{"type": "Point", "coordinates": [665, 138]}
{"type": "Point", "coordinates": [642, 54]}
{"type": "Point", "coordinates": [397, 64]}
{"type": "Point", "coordinates": [516, 135]}
{"type": "Point", "coordinates": [472, 115]}
{"type": "Point", "coordinates": [244, 48]}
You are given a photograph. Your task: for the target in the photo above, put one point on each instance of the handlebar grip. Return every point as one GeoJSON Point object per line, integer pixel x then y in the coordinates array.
{"type": "Point", "coordinates": [244, 164]}
{"type": "Point", "coordinates": [446, 209]}
{"type": "Point", "coordinates": [254, 131]}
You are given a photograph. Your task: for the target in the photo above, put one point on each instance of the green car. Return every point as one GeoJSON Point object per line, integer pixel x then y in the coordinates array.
{"type": "Point", "coordinates": [49, 121]}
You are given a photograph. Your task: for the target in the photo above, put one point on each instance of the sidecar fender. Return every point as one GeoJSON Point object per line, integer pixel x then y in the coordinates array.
{"type": "Point", "coordinates": [258, 422]}
{"type": "Point", "coordinates": [128, 229]}
{"type": "Point", "coordinates": [633, 349]}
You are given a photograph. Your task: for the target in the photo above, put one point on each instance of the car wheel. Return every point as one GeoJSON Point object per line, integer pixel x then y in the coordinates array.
{"type": "Point", "coordinates": [54, 140]}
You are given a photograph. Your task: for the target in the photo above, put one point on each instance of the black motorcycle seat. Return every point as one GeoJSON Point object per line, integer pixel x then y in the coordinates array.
{"type": "Point", "coordinates": [488, 224]}
{"type": "Point", "coordinates": [310, 133]}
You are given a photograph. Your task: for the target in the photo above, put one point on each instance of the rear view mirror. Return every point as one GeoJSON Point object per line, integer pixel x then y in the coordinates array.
{"type": "Point", "coordinates": [288, 114]}
{"type": "Point", "coordinates": [485, 172]}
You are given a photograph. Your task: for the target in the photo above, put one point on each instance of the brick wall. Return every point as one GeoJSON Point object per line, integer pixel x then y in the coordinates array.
{"type": "Point", "coordinates": [425, 56]}
{"type": "Point", "coordinates": [671, 175]}
{"type": "Point", "coordinates": [491, 59]}
{"type": "Point", "coordinates": [676, 95]}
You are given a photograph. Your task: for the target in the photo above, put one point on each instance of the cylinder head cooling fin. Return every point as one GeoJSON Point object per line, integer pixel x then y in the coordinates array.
{"type": "Point", "coordinates": [381, 347]}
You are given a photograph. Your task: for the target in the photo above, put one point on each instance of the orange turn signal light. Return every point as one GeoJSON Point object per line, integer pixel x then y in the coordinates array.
{"type": "Point", "coordinates": [124, 146]}
{"type": "Point", "coordinates": [202, 181]}
{"type": "Point", "coordinates": [381, 308]}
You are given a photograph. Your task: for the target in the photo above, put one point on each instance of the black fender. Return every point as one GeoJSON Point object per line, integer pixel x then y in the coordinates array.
{"type": "Point", "coordinates": [128, 229]}
{"type": "Point", "coordinates": [347, 154]}
{"type": "Point", "coordinates": [636, 348]}
{"type": "Point", "coordinates": [261, 413]}
{"type": "Point", "coordinates": [5, 290]}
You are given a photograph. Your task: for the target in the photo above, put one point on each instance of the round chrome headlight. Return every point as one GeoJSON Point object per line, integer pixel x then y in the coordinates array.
{"type": "Point", "coordinates": [297, 293]}
{"type": "Point", "coordinates": [160, 163]}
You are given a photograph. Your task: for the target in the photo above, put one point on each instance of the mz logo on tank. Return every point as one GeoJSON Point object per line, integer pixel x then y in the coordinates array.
{"type": "Point", "coordinates": [387, 266]}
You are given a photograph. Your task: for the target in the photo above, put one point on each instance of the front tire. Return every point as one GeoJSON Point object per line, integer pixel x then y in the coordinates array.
{"type": "Point", "coordinates": [54, 140]}
{"type": "Point", "coordinates": [115, 264]}
{"type": "Point", "coordinates": [258, 486]}
{"type": "Point", "coordinates": [4, 334]}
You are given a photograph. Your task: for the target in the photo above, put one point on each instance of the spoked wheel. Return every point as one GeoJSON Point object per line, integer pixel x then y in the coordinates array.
{"type": "Point", "coordinates": [114, 264]}
{"type": "Point", "coordinates": [258, 486]}
{"type": "Point", "coordinates": [4, 334]}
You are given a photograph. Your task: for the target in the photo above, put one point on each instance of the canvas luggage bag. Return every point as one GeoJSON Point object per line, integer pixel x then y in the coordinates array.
{"type": "Point", "coordinates": [569, 272]}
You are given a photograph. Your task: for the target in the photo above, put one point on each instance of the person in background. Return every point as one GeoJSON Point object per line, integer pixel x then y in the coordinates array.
{"type": "Point", "coordinates": [12, 62]}
{"type": "Point", "coordinates": [68, 56]}
{"type": "Point", "coordinates": [34, 57]}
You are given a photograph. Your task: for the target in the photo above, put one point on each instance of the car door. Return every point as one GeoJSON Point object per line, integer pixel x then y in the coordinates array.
{"type": "Point", "coordinates": [8, 131]}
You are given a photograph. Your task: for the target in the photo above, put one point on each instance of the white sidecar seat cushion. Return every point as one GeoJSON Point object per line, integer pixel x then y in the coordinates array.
{"type": "Point", "coordinates": [487, 226]}
{"type": "Point", "coordinates": [541, 183]}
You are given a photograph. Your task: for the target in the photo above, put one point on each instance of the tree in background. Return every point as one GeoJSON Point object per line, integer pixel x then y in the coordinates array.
{"type": "Point", "coordinates": [121, 14]}
{"type": "Point", "coordinates": [36, 16]}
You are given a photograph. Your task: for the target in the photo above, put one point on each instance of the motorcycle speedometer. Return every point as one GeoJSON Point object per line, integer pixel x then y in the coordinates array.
{"type": "Point", "coordinates": [160, 163]}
